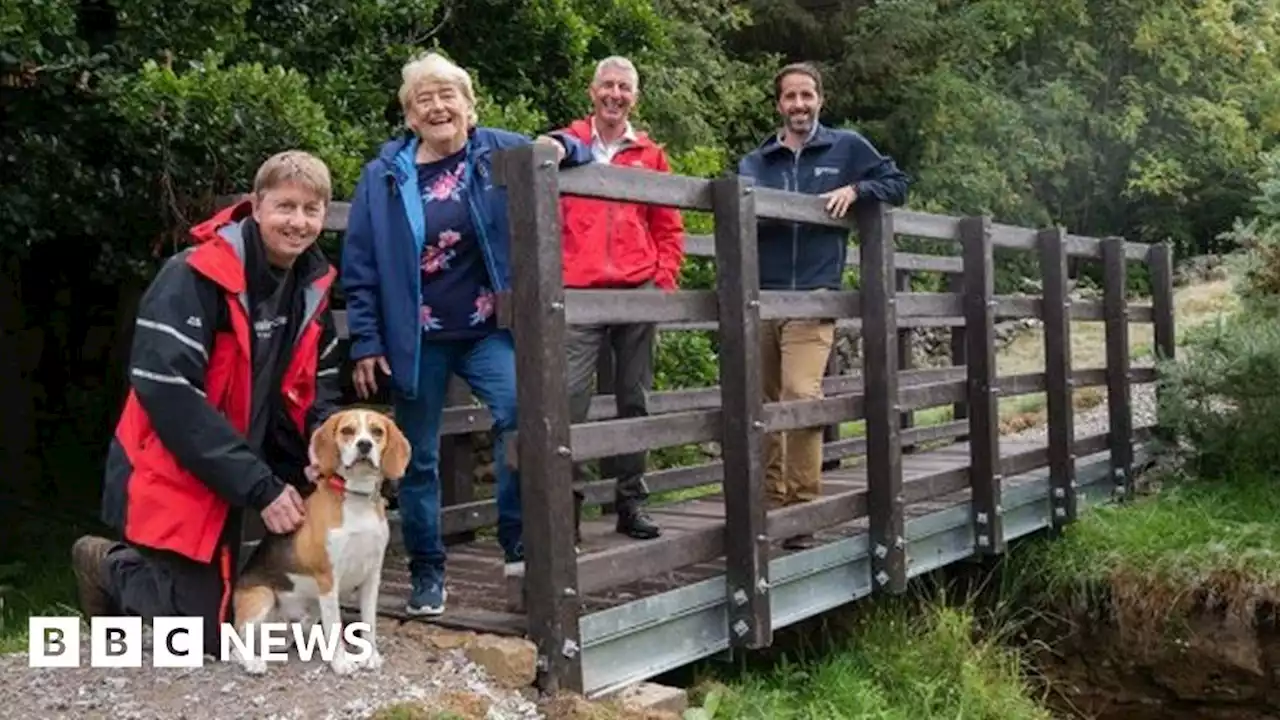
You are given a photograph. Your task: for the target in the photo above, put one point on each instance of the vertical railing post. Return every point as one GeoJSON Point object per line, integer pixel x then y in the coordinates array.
{"type": "Point", "coordinates": [959, 410]}
{"type": "Point", "coordinates": [1056, 313]}
{"type": "Point", "coordinates": [831, 432]}
{"type": "Point", "coordinates": [545, 457]}
{"type": "Point", "coordinates": [1160, 263]}
{"type": "Point", "coordinates": [457, 461]}
{"type": "Point", "coordinates": [984, 430]}
{"type": "Point", "coordinates": [1116, 319]}
{"type": "Point", "coordinates": [903, 279]}
{"type": "Point", "coordinates": [742, 412]}
{"type": "Point", "coordinates": [605, 365]}
{"type": "Point", "coordinates": [885, 503]}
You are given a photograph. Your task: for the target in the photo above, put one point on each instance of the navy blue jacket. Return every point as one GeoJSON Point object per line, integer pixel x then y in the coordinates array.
{"type": "Point", "coordinates": [802, 256]}
{"type": "Point", "coordinates": [385, 235]}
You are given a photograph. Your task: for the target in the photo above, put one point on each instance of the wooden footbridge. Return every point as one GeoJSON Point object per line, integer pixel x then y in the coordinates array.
{"type": "Point", "coordinates": [898, 502]}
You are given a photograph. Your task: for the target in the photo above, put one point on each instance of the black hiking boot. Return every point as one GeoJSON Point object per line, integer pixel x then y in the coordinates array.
{"type": "Point", "coordinates": [633, 522]}
{"type": "Point", "coordinates": [87, 554]}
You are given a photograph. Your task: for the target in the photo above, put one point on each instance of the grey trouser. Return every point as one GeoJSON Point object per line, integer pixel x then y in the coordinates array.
{"type": "Point", "coordinates": [154, 583]}
{"type": "Point", "coordinates": [633, 377]}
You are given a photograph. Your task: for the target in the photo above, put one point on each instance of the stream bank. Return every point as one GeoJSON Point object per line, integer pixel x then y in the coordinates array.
{"type": "Point", "coordinates": [1164, 608]}
{"type": "Point", "coordinates": [1211, 666]}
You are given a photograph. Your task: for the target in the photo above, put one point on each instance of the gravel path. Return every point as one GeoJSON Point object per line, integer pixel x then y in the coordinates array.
{"type": "Point", "coordinates": [217, 691]}
{"type": "Point", "coordinates": [1095, 420]}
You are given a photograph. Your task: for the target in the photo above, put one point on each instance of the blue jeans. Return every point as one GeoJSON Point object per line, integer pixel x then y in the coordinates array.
{"type": "Point", "coordinates": [489, 367]}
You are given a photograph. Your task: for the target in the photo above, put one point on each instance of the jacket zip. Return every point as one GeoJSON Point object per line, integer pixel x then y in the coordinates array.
{"type": "Point", "coordinates": [608, 231]}
{"type": "Point", "coordinates": [795, 227]}
{"type": "Point", "coordinates": [477, 221]}
{"type": "Point", "coordinates": [608, 240]}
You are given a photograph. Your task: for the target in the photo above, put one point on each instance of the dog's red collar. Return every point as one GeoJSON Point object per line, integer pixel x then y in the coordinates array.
{"type": "Point", "coordinates": [339, 483]}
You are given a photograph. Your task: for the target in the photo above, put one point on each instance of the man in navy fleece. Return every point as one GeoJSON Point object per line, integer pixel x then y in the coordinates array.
{"type": "Point", "coordinates": [843, 167]}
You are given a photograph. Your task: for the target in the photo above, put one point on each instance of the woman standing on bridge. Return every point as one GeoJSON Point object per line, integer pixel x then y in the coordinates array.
{"type": "Point", "coordinates": [424, 255]}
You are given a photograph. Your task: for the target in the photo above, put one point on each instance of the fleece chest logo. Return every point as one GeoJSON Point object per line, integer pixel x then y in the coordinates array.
{"type": "Point", "coordinates": [825, 170]}
{"type": "Point", "coordinates": [267, 327]}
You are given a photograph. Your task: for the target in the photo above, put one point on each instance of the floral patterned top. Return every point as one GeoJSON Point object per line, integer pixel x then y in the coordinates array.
{"type": "Point", "coordinates": [457, 301]}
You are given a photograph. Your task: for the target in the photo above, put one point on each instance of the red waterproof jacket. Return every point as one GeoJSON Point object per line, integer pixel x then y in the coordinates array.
{"type": "Point", "coordinates": [616, 244]}
{"type": "Point", "coordinates": [179, 462]}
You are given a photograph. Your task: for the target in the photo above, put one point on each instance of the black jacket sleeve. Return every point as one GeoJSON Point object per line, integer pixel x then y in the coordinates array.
{"type": "Point", "coordinates": [328, 380]}
{"type": "Point", "coordinates": [173, 339]}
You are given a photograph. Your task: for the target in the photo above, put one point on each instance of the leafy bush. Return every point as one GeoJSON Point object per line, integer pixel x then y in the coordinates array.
{"type": "Point", "coordinates": [1221, 398]}
{"type": "Point", "coordinates": [1260, 238]}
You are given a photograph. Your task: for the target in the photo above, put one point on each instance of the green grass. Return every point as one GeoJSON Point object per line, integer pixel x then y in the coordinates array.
{"type": "Point", "coordinates": [42, 585]}
{"type": "Point", "coordinates": [1156, 559]}
{"type": "Point", "coordinates": [899, 660]}
{"type": "Point", "coordinates": [35, 570]}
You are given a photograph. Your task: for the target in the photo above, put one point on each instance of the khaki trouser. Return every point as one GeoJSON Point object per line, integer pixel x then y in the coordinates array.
{"type": "Point", "coordinates": [794, 359]}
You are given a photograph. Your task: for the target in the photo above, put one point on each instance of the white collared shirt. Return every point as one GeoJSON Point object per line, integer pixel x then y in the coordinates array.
{"type": "Point", "coordinates": [603, 151]}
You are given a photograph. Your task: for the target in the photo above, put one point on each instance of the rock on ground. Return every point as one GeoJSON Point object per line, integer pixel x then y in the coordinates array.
{"type": "Point", "coordinates": [413, 672]}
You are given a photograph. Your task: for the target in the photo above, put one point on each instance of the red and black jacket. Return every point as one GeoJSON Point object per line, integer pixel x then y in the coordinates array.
{"type": "Point", "coordinates": [179, 461]}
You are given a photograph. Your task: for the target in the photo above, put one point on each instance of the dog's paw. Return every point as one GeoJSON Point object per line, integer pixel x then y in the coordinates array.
{"type": "Point", "coordinates": [373, 662]}
{"type": "Point", "coordinates": [254, 666]}
{"type": "Point", "coordinates": [342, 664]}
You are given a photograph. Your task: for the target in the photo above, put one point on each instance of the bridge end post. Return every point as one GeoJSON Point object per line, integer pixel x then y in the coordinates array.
{"type": "Point", "coordinates": [1115, 313]}
{"type": "Point", "coordinates": [742, 413]}
{"type": "Point", "coordinates": [543, 437]}
{"type": "Point", "coordinates": [885, 501]}
{"type": "Point", "coordinates": [985, 471]}
{"type": "Point", "coordinates": [1056, 312]}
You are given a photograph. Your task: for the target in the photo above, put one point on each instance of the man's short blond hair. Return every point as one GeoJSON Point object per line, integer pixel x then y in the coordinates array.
{"type": "Point", "coordinates": [296, 166]}
{"type": "Point", "coordinates": [434, 67]}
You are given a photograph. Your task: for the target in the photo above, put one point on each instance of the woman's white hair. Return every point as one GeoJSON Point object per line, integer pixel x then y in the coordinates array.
{"type": "Point", "coordinates": [434, 67]}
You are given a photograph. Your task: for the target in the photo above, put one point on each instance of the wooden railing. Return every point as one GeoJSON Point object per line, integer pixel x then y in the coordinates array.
{"type": "Point", "coordinates": [736, 415]}
{"type": "Point", "coordinates": [883, 393]}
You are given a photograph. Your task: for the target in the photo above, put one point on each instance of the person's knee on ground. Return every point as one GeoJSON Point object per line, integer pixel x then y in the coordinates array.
{"type": "Point", "coordinates": [115, 579]}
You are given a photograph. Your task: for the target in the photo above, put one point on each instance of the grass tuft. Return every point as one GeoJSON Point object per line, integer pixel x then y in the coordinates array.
{"type": "Point", "coordinates": [900, 660]}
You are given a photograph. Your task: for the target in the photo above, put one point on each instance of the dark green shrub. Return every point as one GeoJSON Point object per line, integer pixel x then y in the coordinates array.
{"type": "Point", "coordinates": [1222, 398]}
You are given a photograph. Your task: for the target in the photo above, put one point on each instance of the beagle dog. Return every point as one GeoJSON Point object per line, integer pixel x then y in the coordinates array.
{"type": "Point", "coordinates": [339, 548]}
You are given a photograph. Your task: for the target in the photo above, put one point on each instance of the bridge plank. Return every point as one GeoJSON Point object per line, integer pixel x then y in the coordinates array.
{"type": "Point", "coordinates": [927, 474]}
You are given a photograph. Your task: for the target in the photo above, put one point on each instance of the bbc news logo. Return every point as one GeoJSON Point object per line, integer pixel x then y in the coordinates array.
{"type": "Point", "coordinates": [178, 642]}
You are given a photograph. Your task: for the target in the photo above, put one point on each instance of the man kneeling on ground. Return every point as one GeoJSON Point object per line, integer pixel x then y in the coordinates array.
{"type": "Point", "coordinates": [233, 364]}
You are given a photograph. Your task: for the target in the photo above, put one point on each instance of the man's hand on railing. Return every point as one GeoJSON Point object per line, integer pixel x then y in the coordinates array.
{"type": "Point", "coordinates": [548, 140]}
{"type": "Point", "coordinates": [839, 200]}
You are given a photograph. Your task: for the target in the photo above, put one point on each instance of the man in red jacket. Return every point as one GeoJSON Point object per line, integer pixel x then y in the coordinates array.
{"type": "Point", "coordinates": [617, 245]}
{"type": "Point", "coordinates": [234, 364]}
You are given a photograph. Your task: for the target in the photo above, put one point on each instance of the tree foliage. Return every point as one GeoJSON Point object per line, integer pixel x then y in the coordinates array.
{"type": "Point", "coordinates": [124, 119]}
{"type": "Point", "coordinates": [1142, 118]}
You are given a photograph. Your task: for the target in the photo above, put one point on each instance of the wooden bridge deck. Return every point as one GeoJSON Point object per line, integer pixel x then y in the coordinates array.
{"type": "Point", "coordinates": [481, 591]}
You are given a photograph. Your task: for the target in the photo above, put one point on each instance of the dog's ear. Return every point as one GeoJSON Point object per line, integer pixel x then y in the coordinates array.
{"type": "Point", "coordinates": [324, 446]}
{"type": "Point", "coordinates": [395, 458]}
